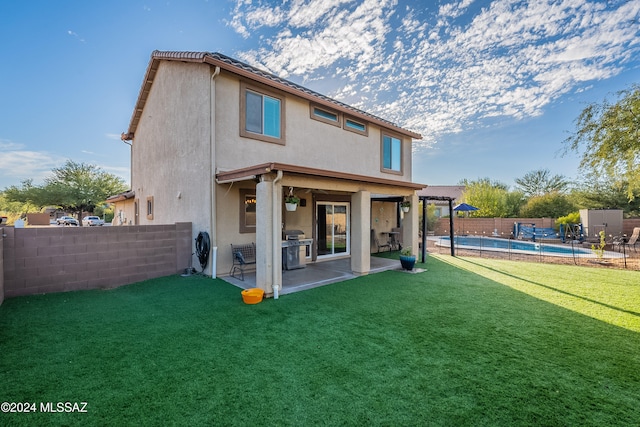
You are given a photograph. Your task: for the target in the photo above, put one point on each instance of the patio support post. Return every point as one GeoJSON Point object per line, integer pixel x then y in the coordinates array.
{"type": "Point", "coordinates": [361, 232]}
{"type": "Point", "coordinates": [451, 236]}
{"type": "Point", "coordinates": [410, 229]}
{"type": "Point", "coordinates": [264, 234]}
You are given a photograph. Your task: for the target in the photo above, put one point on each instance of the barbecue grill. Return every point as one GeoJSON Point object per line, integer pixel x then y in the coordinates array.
{"type": "Point", "coordinates": [294, 249]}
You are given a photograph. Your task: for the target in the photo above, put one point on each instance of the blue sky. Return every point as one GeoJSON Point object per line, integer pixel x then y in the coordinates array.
{"type": "Point", "coordinates": [493, 87]}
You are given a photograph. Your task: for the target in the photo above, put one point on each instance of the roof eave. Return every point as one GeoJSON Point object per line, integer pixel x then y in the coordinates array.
{"type": "Point", "coordinates": [205, 57]}
{"type": "Point", "coordinates": [264, 168]}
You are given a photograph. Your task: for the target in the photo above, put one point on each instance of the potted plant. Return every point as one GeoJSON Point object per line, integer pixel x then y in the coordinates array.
{"type": "Point", "coordinates": [405, 205]}
{"type": "Point", "coordinates": [407, 259]}
{"type": "Point", "coordinates": [291, 202]}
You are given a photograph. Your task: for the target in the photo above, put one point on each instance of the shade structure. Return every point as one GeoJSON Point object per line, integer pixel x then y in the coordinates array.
{"type": "Point", "coordinates": [463, 207]}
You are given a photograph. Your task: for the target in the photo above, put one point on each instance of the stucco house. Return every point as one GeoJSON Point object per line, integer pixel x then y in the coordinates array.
{"type": "Point", "coordinates": [220, 144]}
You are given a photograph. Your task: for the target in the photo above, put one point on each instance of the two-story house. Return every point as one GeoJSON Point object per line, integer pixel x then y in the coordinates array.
{"type": "Point", "coordinates": [219, 143]}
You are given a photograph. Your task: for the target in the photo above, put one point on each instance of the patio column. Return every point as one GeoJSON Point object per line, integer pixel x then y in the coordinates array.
{"type": "Point", "coordinates": [410, 227]}
{"type": "Point", "coordinates": [361, 232]}
{"type": "Point", "coordinates": [268, 263]}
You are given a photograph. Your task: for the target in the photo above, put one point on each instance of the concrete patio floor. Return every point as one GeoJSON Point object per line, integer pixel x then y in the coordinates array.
{"type": "Point", "coordinates": [316, 274]}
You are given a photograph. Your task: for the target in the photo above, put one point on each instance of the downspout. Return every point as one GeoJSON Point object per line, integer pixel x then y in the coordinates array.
{"type": "Point", "coordinates": [212, 170]}
{"type": "Point", "coordinates": [424, 230]}
{"type": "Point", "coordinates": [276, 250]}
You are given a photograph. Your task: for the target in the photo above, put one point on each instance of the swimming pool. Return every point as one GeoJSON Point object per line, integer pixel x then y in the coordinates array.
{"type": "Point", "coordinates": [519, 246]}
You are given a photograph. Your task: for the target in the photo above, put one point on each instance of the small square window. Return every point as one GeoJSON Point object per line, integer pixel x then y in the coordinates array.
{"type": "Point", "coordinates": [150, 207]}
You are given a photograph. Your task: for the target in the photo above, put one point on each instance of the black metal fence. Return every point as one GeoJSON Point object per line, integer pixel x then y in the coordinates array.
{"type": "Point", "coordinates": [552, 251]}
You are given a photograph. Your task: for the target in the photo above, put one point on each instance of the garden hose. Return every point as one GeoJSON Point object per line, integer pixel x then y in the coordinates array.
{"type": "Point", "coordinates": [203, 245]}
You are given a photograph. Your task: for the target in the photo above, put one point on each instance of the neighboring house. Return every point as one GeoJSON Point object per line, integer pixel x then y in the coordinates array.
{"type": "Point", "coordinates": [219, 143]}
{"type": "Point", "coordinates": [124, 208]}
{"type": "Point", "coordinates": [439, 197]}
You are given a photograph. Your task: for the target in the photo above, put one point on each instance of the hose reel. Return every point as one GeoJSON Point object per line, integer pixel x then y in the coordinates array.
{"type": "Point", "coordinates": [203, 246]}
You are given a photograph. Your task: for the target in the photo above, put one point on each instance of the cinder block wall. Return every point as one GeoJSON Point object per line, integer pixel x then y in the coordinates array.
{"type": "Point", "coordinates": [59, 259]}
{"type": "Point", "coordinates": [486, 226]}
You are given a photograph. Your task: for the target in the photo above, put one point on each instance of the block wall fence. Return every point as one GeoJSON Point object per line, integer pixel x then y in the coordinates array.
{"type": "Point", "coordinates": [59, 259]}
{"type": "Point", "coordinates": [486, 226]}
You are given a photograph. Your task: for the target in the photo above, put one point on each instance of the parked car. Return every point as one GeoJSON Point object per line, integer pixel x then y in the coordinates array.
{"type": "Point", "coordinates": [91, 221]}
{"type": "Point", "coordinates": [66, 220]}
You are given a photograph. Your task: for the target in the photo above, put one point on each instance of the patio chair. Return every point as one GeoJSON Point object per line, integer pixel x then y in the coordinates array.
{"type": "Point", "coordinates": [243, 256]}
{"type": "Point", "coordinates": [620, 242]}
{"type": "Point", "coordinates": [379, 245]}
{"type": "Point", "coordinates": [396, 238]}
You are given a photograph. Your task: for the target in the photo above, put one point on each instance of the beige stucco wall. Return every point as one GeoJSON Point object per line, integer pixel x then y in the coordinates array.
{"type": "Point", "coordinates": [383, 219]}
{"type": "Point", "coordinates": [309, 142]}
{"type": "Point", "coordinates": [171, 159]}
{"type": "Point", "coordinates": [124, 212]}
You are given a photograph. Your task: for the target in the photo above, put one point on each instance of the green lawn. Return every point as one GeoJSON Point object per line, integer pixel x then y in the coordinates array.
{"type": "Point", "coordinates": [468, 342]}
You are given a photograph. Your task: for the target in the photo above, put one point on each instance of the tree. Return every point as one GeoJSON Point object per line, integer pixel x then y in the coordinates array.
{"type": "Point", "coordinates": [15, 210]}
{"type": "Point", "coordinates": [608, 135]}
{"type": "Point", "coordinates": [492, 198]}
{"type": "Point", "coordinates": [74, 187]}
{"type": "Point", "coordinates": [432, 216]}
{"type": "Point", "coordinates": [552, 205]}
{"type": "Point", "coordinates": [541, 182]}
{"type": "Point", "coordinates": [605, 193]}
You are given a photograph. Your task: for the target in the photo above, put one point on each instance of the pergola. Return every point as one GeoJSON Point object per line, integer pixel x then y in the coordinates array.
{"type": "Point", "coordinates": [424, 200]}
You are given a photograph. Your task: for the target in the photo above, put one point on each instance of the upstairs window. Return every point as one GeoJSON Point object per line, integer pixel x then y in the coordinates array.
{"type": "Point", "coordinates": [262, 115]}
{"type": "Point", "coordinates": [391, 154]}
{"type": "Point", "coordinates": [324, 115]}
{"type": "Point", "coordinates": [355, 126]}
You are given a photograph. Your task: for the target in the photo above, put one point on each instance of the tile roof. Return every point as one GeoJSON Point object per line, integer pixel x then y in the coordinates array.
{"type": "Point", "coordinates": [233, 65]}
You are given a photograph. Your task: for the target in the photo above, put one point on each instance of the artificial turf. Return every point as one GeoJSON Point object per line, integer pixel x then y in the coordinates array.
{"type": "Point", "coordinates": [468, 342]}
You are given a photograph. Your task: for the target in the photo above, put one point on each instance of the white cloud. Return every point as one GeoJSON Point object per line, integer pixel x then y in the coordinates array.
{"type": "Point", "coordinates": [113, 136]}
{"type": "Point", "coordinates": [76, 36]}
{"type": "Point", "coordinates": [444, 70]}
{"type": "Point", "coordinates": [6, 145]}
{"type": "Point", "coordinates": [18, 164]}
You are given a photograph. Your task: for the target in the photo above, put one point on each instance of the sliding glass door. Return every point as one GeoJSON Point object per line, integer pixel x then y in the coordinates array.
{"type": "Point", "coordinates": [333, 229]}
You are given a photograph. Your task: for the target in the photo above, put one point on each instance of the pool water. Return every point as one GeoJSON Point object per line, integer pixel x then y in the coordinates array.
{"type": "Point", "coordinates": [493, 244]}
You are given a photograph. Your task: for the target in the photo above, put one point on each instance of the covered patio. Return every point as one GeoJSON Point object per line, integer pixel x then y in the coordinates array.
{"type": "Point", "coordinates": [335, 214]}
{"type": "Point", "coordinates": [316, 274]}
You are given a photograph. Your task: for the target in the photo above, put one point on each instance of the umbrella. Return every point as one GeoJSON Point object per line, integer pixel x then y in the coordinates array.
{"type": "Point", "coordinates": [463, 207]}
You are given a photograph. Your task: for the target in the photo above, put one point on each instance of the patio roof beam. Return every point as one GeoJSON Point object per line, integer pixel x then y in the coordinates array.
{"type": "Point", "coordinates": [238, 174]}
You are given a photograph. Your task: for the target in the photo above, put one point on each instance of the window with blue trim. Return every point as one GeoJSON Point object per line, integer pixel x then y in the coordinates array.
{"type": "Point", "coordinates": [391, 153]}
{"type": "Point", "coordinates": [325, 115]}
{"type": "Point", "coordinates": [262, 115]}
{"type": "Point", "coordinates": [355, 126]}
